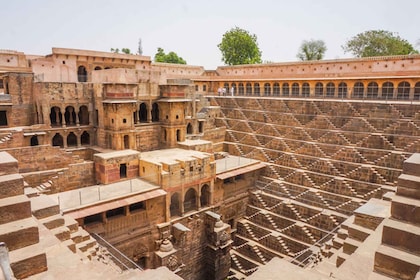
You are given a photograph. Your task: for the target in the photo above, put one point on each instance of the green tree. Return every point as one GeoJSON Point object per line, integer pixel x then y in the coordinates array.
{"type": "Point", "coordinates": [171, 57]}
{"type": "Point", "coordinates": [123, 50]}
{"type": "Point", "coordinates": [312, 50]}
{"type": "Point", "coordinates": [378, 43]}
{"type": "Point", "coordinates": [238, 46]}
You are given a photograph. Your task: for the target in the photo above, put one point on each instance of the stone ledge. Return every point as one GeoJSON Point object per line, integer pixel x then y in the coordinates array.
{"type": "Point", "coordinates": [14, 208]}
{"type": "Point", "coordinates": [28, 261]}
{"type": "Point", "coordinates": [396, 263]}
{"type": "Point", "coordinates": [403, 235]}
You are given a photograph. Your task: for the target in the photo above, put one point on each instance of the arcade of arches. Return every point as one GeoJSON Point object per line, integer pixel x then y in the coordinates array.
{"type": "Point", "coordinates": [191, 201]}
{"type": "Point", "coordinates": [402, 90]}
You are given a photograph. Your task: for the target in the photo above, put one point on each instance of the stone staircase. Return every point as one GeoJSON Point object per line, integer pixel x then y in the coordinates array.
{"type": "Point", "coordinates": [18, 228]}
{"type": "Point", "coordinates": [62, 227]}
{"type": "Point", "coordinates": [399, 254]}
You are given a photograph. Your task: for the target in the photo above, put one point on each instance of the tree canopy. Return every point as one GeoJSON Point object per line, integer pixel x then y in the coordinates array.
{"type": "Point", "coordinates": [378, 43]}
{"type": "Point", "coordinates": [123, 50]}
{"type": "Point", "coordinates": [238, 46]}
{"type": "Point", "coordinates": [312, 50]}
{"type": "Point", "coordinates": [171, 57]}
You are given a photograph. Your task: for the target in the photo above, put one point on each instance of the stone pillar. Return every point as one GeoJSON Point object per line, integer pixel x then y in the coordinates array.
{"type": "Point", "coordinates": [5, 262]}
{"type": "Point", "coordinates": [65, 141]}
{"type": "Point", "coordinates": [63, 119]}
{"type": "Point", "coordinates": [218, 247]}
{"type": "Point", "coordinates": [71, 110]}
{"type": "Point", "coordinates": [57, 115]}
{"type": "Point", "coordinates": [77, 118]}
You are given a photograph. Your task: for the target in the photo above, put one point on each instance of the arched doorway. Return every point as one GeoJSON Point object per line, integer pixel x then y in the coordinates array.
{"type": "Point", "coordinates": [174, 207]}
{"type": "Point", "coordinates": [70, 116]}
{"type": "Point", "coordinates": [58, 140]}
{"type": "Point", "coordinates": [126, 142]}
{"type": "Point", "coordinates": [34, 141]}
{"type": "Point", "coordinates": [155, 112]}
{"type": "Point", "coordinates": [205, 196]}
{"type": "Point", "coordinates": [190, 200]}
{"type": "Point", "coordinates": [55, 116]}
{"type": "Point", "coordinates": [83, 115]}
{"type": "Point", "coordinates": [178, 135]}
{"type": "Point", "coordinates": [82, 74]}
{"type": "Point", "coordinates": [143, 112]}
{"type": "Point", "coordinates": [71, 140]}
{"type": "Point", "coordinates": [189, 128]}
{"type": "Point", "coordinates": [85, 138]}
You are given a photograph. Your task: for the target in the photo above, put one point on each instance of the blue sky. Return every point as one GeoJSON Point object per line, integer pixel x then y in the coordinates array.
{"type": "Point", "coordinates": [194, 28]}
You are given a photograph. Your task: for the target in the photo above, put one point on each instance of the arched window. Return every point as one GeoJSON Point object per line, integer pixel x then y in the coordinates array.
{"type": "Point", "coordinates": [248, 89]}
{"type": "Point", "coordinates": [58, 140]}
{"type": "Point", "coordinates": [403, 90]}
{"type": "Point", "coordinates": [155, 112]}
{"type": "Point", "coordinates": [71, 140]}
{"type": "Point", "coordinates": [34, 141]}
{"type": "Point", "coordinates": [267, 89]}
{"type": "Point", "coordinates": [178, 135]}
{"type": "Point", "coordinates": [226, 88]}
{"type": "Point", "coordinates": [190, 200]}
{"type": "Point", "coordinates": [306, 90]}
{"type": "Point", "coordinates": [276, 89]}
{"type": "Point", "coordinates": [372, 90]}
{"type": "Point", "coordinates": [358, 90]}
{"type": "Point", "coordinates": [55, 116]}
{"type": "Point", "coordinates": [189, 128]}
{"type": "Point", "coordinates": [241, 89]}
{"type": "Point", "coordinates": [285, 89]}
{"type": "Point", "coordinates": [257, 89]}
{"type": "Point", "coordinates": [97, 68]}
{"type": "Point", "coordinates": [319, 89]}
{"type": "Point", "coordinates": [82, 74]}
{"type": "Point", "coordinates": [295, 89]}
{"type": "Point", "coordinates": [330, 90]}
{"type": "Point", "coordinates": [417, 91]}
{"type": "Point", "coordinates": [342, 90]}
{"type": "Point", "coordinates": [70, 116]}
{"type": "Point", "coordinates": [85, 138]}
{"type": "Point", "coordinates": [143, 112]}
{"type": "Point", "coordinates": [175, 205]}
{"type": "Point", "coordinates": [387, 90]}
{"type": "Point", "coordinates": [205, 196]}
{"type": "Point", "coordinates": [126, 142]}
{"type": "Point", "coordinates": [83, 115]}
{"type": "Point", "coordinates": [233, 89]}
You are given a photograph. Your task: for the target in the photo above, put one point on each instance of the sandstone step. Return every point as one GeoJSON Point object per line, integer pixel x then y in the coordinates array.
{"type": "Point", "coordinates": [401, 235]}
{"type": "Point", "coordinates": [76, 237]}
{"type": "Point", "coordinates": [30, 192]}
{"type": "Point", "coordinates": [70, 244]}
{"type": "Point", "coordinates": [71, 223]}
{"type": "Point", "coordinates": [396, 263]}
{"type": "Point", "coordinates": [358, 232]}
{"type": "Point", "coordinates": [337, 243]}
{"type": "Point", "coordinates": [53, 221]}
{"type": "Point", "coordinates": [405, 209]}
{"type": "Point", "coordinates": [62, 233]}
{"type": "Point", "coordinates": [11, 185]}
{"type": "Point", "coordinates": [350, 245]}
{"type": "Point", "coordinates": [14, 208]}
{"type": "Point", "coordinates": [20, 233]}
{"type": "Point", "coordinates": [28, 261]}
{"type": "Point", "coordinates": [85, 245]}
{"type": "Point", "coordinates": [341, 258]}
{"type": "Point", "coordinates": [43, 206]}
{"type": "Point", "coordinates": [409, 186]}
{"type": "Point", "coordinates": [411, 166]}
